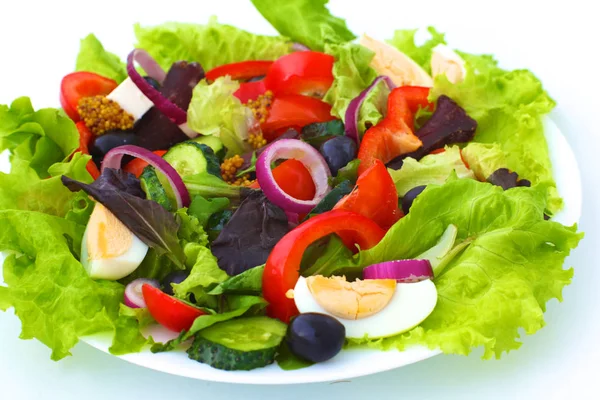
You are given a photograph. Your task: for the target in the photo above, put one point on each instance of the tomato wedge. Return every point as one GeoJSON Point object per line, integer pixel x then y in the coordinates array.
{"type": "Point", "coordinates": [394, 136]}
{"type": "Point", "coordinates": [241, 70]}
{"type": "Point", "coordinates": [168, 311]}
{"type": "Point", "coordinates": [282, 268]}
{"type": "Point", "coordinates": [294, 110]}
{"type": "Point", "coordinates": [136, 167]}
{"type": "Point", "coordinates": [374, 196]}
{"type": "Point", "coordinates": [302, 72]}
{"type": "Point", "coordinates": [85, 139]}
{"type": "Point", "coordinates": [82, 84]}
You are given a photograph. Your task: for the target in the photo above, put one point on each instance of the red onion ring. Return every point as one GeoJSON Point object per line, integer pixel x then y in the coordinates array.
{"type": "Point", "coordinates": [307, 155]}
{"type": "Point", "coordinates": [351, 118]}
{"type": "Point", "coordinates": [403, 271]}
{"type": "Point", "coordinates": [167, 107]}
{"type": "Point", "coordinates": [112, 159]}
{"type": "Point", "coordinates": [133, 296]}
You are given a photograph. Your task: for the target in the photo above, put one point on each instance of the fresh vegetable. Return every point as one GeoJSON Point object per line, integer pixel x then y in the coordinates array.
{"type": "Point", "coordinates": [410, 196]}
{"type": "Point", "coordinates": [294, 179]}
{"type": "Point", "coordinates": [309, 157]}
{"type": "Point", "coordinates": [94, 58]}
{"type": "Point", "coordinates": [293, 110]}
{"type": "Point", "coordinates": [303, 20]}
{"type": "Point", "coordinates": [405, 41]}
{"type": "Point", "coordinates": [319, 132]}
{"type": "Point", "coordinates": [373, 308]}
{"type": "Point", "coordinates": [78, 85]}
{"type": "Point", "coordinates": [171, 313]}
{"type": "Point", "coordinates": [437, 254]}
{"type": "Point", "coordinates": [191, 158]}
{"type": "Point", "coordinates": [137, 166]}
{"type": "Point", "coordinates": [203, 209]}
{"type": "Point", "coordinates": [85, 137]}
{"type": "Point", "coordinates": [243, 70]}
{"type": "Point", "coordinates": [393, 136]}
{"type": "Point", "coordinates": [304, 72]}
{"type": "Point", "coordinates": [338, 152]}
{"type": "Point", "coordinates": [133, 292]}
{"type": "Point", "coordinates": [403, 271]}
{"type": "Point", "coordinates": [332, 198]}
{"type": "Point", "coordinates": [248, 282]}
{"type": "Point", "coordinates": [238, 344]}
{"type": "Point", "coordinates": [214, 143]}
{"type": "Point", "coordinates": [154, 189]}
{"type": "Point", "coordinates": [374, 196]}
{"type": "Point", "coordinates": [249, 237]}
{"type": "Point", "coordinates": [315, 337]}
{"type": "Point", "coordinates": [122, 195]}
{"type": "Point", "coordinates": [283, 264]}
{"type": "Point", "coordinates": [210, 186]}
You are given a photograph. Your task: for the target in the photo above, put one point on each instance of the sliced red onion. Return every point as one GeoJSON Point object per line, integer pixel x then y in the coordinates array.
{"type": "Point", "coordinates": [403, 271]}
{"type": "Point", "coordinates": [307, 155]}
{"type": "Point", "coordinates": [353, 109]}
{"type": "Point", "coordinates": [167, 107]}
{"type": "Point", "coordinates": [133, 296]}
{"type": "Point", "coordinates": [112, 159]}
{"type": "Point", "coordinates": [299, 47]}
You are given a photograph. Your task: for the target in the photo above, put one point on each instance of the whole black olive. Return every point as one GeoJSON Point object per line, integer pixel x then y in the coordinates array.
{"type": "Point", "coordinates": [410, 196]}
{"type": "Point", "coordinates": [108, 141]}
{"type": "Point", "coordinates": [338, 152]}
{"type": "Point", "coordinates": [315, 337]}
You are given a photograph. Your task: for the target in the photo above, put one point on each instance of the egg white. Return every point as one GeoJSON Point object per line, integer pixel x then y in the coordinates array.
{"type": "Point", "coordinates": [113, 268]}
{"type": "Point", "coordinates": [408, 307]}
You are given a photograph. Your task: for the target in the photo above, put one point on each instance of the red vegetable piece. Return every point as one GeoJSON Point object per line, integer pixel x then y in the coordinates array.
{"type": "Point", "coordinates": [85, 139]}
{"type": "Point", "coordinates": [168, 311]}
{"type": "Point", "coordinates": [137, 165]}
{"type": "Point", "coordinates": [305, 72]}
{"type": "Point", "coordinates": [250, 91]}
{"type": "Point", "coordinates": [240, 70]}
{"type": "Point", "coordinates": [77, 85]}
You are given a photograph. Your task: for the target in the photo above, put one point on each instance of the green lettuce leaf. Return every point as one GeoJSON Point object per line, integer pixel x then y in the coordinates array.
{"type": "Point", "coordinates": [248, 282]}
{"type": "Point", "coordinates": [211, 45]}
{"type": "Point", "coordinates": [50, 291]}
{"type": "Point", "coordinates": [404, 40]}
{"type": "Point", "coordinates": [484, 158]}
{"type": "Point", "coordinates": [214, 110]}
{"type": "Point", "coordinates": [431, 169]}
{"type": "Point", "coordinates": [93, 58]}
{"type": "Point", "coordinates": [351, 72]}
{"type": "Point", "coordinates": [203, 208]}
{"type": "Point", "coordinates": [509, 107]}
{"type": "Point", "coordinates": [302, 20]}
{"type": "Point", "coordinates": [510, 266]}
{"type": "Point", "coordinates": [41, 138]}
{"type": "Point", "coordinates": [204, 276]}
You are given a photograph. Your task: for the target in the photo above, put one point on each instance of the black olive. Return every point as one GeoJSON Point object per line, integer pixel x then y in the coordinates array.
{"type": "Point", "coordinates": [153, 82]}
{"type": "Point", "coordinates": [173, 277]}
{"type": "Point", "coordinates": [338, 152]}
{"type": "Point", "coordinates": [410, 196]}
{"type": "Point", "coordinates": [108, 141]}
{"type": "Point", "coordinates": [315, 337]}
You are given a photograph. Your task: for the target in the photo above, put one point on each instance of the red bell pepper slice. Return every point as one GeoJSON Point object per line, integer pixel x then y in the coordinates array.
{"type": "Point", "coordinates": [294, 110]}
{"type": "Point", "coordinates": [250, 91]}
{"type": "Point", "coordinates": [136, 167]}
{"type": "Point", "coordinates": [168, 311]}
{"type": "Point", "coordinates": [85, 139]}
{"type": "Point", "coordinates": [302, 72]}
{"type": "Point", "coordinates": [282, 268]}
{"type": "Point", "coordinates": [77, 85]}
{"type": "Point", "coordinates": [374, 196]}
{"type": "Point", "coordinates": [394, 136]}
{"type": "Point", "coordinates": [240, 70]}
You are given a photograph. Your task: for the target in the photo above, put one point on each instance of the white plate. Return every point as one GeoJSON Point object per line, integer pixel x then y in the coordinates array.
{"type": "Point", "coordinates": [349, 363]}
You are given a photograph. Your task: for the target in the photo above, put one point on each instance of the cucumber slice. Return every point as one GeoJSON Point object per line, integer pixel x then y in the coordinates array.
{"type": "Point", "coordinates": [214, 143]}
{"type": "Point", "coordinates": [239, 344]}
{"type": "Point", "coordinates": [191, 158]}
{"type": "Point", "coordinates": [154, 189]}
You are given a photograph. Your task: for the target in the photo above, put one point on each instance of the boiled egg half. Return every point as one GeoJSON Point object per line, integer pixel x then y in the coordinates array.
{"type": "Point", "coordinates": [109, 250]}
{"type": "Point", "coordinates": [373, 308]}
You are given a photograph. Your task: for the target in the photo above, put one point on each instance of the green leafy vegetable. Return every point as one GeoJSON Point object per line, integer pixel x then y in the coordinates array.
{"type": "Point", "coordinates": [332, 198]}
{"type": "Point", "coordinates": [214, 110]}
{"type": "Point", "coordinates": [205, 274]}
{"type": "Point", "coordinates": [202, 208]}
{"type": "Point", "coordinates": [373, 108]}
{"type": "Point", "coordinates": [288, 361]}
{"type": "Point", "coordinates": [211, 45]}
{"type": "Point", "coordinates": [318, 133]}
{"type": "Point", "coordinates": [484, 159]}
{"type": "Point", "coordinates": [248, 282]}
{"type": "Point", "coordinates": [331, 261]}
{"type": "Point", "coordinates": [404, 40]}
{"type": "Point", "coordinates": [431, 169]}
{"type": "Point", "coordinates": [508, 267]}
{"type": "Point", "coordinates": [93, 58]}
{"type": "Point", "coordinates": [302, 20]}
{"type": "Point", "coordinates": [121, 193]}
{"type": "Point", "coordinates": [347, 173]}
{"type": "Point", "coordinates": [209, 186]}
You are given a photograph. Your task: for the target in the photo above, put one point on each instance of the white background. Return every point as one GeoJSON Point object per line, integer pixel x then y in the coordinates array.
{"type": "Point", "coordinates": [557, 40]}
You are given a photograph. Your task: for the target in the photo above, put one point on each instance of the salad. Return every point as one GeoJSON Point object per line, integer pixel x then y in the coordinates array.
{"type": "Point", "coordinates": [282, 198]}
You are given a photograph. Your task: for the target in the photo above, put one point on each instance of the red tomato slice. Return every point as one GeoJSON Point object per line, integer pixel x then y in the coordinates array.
{"type": "Point", "coordinates": [240, 70]}
{"type": "Point", "coordinates": [250, 91]}
{"type": "Point", "coordinates": [136, 167]}
{"type": "Point", "coordinates": [302, 72]}
{"type": "Point", "coordinates": [168, 311]}
{"type": "Point", "coordinates": [85, 139]}
{"type": "Point", "coordinates": [294, 110]}
{"type": "Point", "coordinates": [294, 179]}
{"type": "Point", "coordinates": [82, 84]}
{"type": "Point", "coordinates": [374, 196]}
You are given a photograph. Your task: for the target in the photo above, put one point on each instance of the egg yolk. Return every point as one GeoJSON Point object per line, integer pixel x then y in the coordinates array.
{"type": "Point", "coordinates": [351, 300]}
{"type": "Point", "coordinates": [107, 237]}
